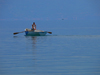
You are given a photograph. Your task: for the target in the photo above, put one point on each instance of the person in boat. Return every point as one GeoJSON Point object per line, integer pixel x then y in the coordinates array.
{"type": "Point", "coordinates": [33, 26]}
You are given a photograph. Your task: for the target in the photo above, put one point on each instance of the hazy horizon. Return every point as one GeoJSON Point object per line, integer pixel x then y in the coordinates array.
{"type": "Point", "coordinates": [49, 10]}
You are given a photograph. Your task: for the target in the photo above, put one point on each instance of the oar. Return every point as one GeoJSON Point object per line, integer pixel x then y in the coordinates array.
{"type": "Point", "coordinates": [43, 31]}
{"type": "Point", "coordinates": [49, 32]}
{"type": "Point", "coordinates": [18, 32]}
{"type": "Point", "coordinates": [24, 31]}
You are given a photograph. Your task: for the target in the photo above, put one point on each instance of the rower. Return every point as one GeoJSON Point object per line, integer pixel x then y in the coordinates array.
{"type": "Point", "coordinates": [33, 26]}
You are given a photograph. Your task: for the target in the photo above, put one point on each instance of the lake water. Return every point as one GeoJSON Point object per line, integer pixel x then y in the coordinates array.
{"type": "Point", "coordinates": [72, 49]}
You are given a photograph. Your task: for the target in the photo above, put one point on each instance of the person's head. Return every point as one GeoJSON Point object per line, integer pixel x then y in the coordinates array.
{"type": "Point", "coordinates": [33, 22]}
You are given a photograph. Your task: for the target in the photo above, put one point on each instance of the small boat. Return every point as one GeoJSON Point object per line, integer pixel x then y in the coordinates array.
{"type": "Point", "coordinates": [29, 32]}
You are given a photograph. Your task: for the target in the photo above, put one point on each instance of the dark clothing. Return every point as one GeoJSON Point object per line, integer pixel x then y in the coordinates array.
{"type": "Point", "coordinates": [32, 29]}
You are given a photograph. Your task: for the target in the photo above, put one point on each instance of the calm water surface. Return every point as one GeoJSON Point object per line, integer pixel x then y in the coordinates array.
{"type": "Point", "coordinates": [56, 54]}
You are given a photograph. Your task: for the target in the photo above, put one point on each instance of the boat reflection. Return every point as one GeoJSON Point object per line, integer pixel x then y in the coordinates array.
{"type": "Point", "coordinates": [29, 53]}
{"type": "Point", "coordinates": [31, 48]}
{"type": "Point", "coordinates": [31, 43]}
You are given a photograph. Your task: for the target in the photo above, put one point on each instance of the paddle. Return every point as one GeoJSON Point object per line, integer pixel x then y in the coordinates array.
{"type": "Point", "coordinates": [50, 32]}
{"type": "Point", "coordinates": [43, 31]}
{"type": "Point", "coordinates": [18, 32]}
{"type": "Point", "coordinates": [24, 31]}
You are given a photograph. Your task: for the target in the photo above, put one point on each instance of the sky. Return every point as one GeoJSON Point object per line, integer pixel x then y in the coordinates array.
{"type": "Point", "coordinates": [49, 9]}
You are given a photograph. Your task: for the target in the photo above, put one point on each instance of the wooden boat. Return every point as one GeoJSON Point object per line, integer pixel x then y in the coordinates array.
{"type": "Point", "coordinates": [29, 32]}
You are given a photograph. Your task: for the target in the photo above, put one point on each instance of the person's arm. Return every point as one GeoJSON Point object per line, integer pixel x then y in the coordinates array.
{"type": "Point", "coordinates": [32, 27]}
{"type": "Point", "coordinates": [35, 27]}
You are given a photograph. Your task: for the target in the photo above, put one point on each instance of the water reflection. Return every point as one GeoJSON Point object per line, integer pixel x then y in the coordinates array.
{"type": "Point", "coordinates": [31, 40]}
{"type": "Point", "coordinates": [35, 45]}
{"type": "Point", "coordinates": [34, 40]}
{"type": "Point", "coordinates": [50, 55]}
{"type": "Point", "coordinates": [27, 48]}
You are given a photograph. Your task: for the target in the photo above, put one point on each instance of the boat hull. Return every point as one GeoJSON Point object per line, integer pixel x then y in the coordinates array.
{"type": "Point", "coordinates": [32, 33]}
{"type": "Point", "coordinates": [29, 32]}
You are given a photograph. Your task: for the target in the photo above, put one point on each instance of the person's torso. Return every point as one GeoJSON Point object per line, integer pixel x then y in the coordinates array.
{"type": "Point", "coordinates": [33, 25]}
